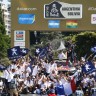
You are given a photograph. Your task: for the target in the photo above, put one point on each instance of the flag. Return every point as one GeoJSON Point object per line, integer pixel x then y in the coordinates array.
{"type": "Point", "coordinates": [43, 53]}
{"type": "Point", "coordinates": [73, 85]}
{"type": "Point", "coordinates": [37, 51]}
{"type": "Point", "coordinates": [93, 49]}
{"type": "Point", "coordinates": [14, 53]}
{"type": "Point", "coordinates": [88, 67]}
{"type": "Point", "coordinates": [24, 51]}
{"type": "Point", "coordinates": [60, 89]}
{"type": "Point", "coordinates": [71, 24]}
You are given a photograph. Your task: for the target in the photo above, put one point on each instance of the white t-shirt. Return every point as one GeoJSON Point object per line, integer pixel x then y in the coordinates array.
{"type": "Point", "coordinates": [48, 67]}
{"type": "Point", "coordinates": [5, 74]}
{"type": "Point", "coordinates": [1, 84]}
{"type": "Point", "coordinates": [10, 76]}
{"type": "Point", "coordinates": [28, 69]}
{"type": "Point", "coordinates": [13, 66]}
{"type": "Point", "coordinates": [44, 85]}
{"type": "Point", "coordinates": [28, 83]}
{"type": "Point", "coordinates": [79, 93]}
{"type": "Point", "coordinates": [35, 70]}
{"type": "Point", "coordinates": [54, 68]}
{"type": "Point", "coordinates": [61, 56]}
{"type": "Point", "coordinates": [85, 82]}
{"type": "Point", "coordinates": [67, 88]}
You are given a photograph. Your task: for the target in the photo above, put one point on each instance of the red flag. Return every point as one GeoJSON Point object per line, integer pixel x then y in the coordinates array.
{"type": "Point", "coordinates": [73, 85]}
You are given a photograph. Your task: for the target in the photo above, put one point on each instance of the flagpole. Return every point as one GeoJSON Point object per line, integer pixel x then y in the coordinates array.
{"type": "Point", "coordinates": [89, 56]}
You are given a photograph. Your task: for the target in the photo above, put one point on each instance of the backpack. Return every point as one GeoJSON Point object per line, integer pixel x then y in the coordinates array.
{"type": "Point", "coordinates": [12, 84]}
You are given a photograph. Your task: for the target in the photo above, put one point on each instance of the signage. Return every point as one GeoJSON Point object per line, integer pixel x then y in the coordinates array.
{"type": "Point", "coordinates": [62, 10]}
{"type": "Point", "coordinates": [53, 23]}
{"type": "Point", "coordinates": [19, 35]}
{"type": "Point", "coordinates": [92, 8]}
{"type": "Point", "coordinates": [21, 44]}
{"type": "Point", "coordinates": [93, 19]}
{"type": "Point", "coordinates": [26, 18]}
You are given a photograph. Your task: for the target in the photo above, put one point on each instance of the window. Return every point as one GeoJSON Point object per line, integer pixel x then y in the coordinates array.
{"type": "Point", "coordinates": [9, 32]}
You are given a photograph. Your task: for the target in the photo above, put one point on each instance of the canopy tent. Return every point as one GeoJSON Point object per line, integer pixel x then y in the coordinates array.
{"type": "Point", "coordinates": [61, 47]}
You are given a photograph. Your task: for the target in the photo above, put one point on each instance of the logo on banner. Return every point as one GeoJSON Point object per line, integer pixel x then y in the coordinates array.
{"type": "Point", "coordinates": [54, 23]}
{"type": "Point", "coordinates": [62, 10]}
{"type": "Point", "coordinates": [26, 18]}
{"type": "Point", "coordinates": [93, 19]}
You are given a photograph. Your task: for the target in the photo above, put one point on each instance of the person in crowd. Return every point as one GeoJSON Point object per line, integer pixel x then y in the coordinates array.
{"type": "Point", "coordinates": [61, 56]}
{"type": "Point", "coordinates": [51, 90]}
{"type": "Point", "coordinates": [79, 91]}
{"type": "Point", "coordinates": [13, 86]}
{"type": "Point", "coordinates": [1, 86]}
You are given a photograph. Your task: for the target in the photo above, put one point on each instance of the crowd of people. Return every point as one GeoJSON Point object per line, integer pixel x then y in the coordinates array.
{"type": "Point", "coordinates": [41, 76]}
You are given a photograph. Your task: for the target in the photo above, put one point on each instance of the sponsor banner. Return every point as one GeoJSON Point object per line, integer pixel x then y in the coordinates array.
{"type": "Point", "coordinates": [62, 10]}
{"type": "Point", "coordinates": [21, 44]}
{"type": "Point", "coordinates": [92, 8]}
{"type": "Point", "coordinates": [19, 35]}
{"type": "Point", "coordinates": [71, 24]}
{"type": "Point", "coordinates": [26, 18]}
{"type": "Point", "coordinates": [93, 19]}
{"type": "Point", "coordinates": [54, 24]}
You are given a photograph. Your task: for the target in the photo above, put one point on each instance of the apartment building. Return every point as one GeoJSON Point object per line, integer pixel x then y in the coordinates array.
{"type": "Point", "coordinates": [6, 12]}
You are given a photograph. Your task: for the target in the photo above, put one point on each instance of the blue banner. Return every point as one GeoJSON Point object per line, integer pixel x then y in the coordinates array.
{"type": "Point", "coordinates": [43, 53]}
{"type": "Point", "coordinates": [26, 18]}
{"type": "Point", "coordinates": [24, 51]}
{"type": "Point", "coordinates": [88, 67]}
{"type": "Point", "coordinates": [54, 23]}
{"type": "Point", "coordinates": [14, 53]}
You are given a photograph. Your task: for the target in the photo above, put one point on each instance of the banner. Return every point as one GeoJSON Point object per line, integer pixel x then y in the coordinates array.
{"type": "Point", "coordinates": [24, 51]}
{"type": "Point", "coordinates": [14, 53]}
{"type": "Point", "coordinates": [88, 67]}
{"type": "Point", "coordinates": [61, 10]}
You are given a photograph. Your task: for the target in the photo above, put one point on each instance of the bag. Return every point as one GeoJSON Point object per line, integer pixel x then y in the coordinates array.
{"type": "Point", "coordinates": [12, 84]}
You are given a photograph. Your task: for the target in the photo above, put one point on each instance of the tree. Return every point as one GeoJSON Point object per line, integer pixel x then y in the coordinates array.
{"type": "Point", "coordinates": [4, 45]}
{"type": "Point", "coordinates": [4, 39]}
{"type": "Point", "coordinates": [84, 41]}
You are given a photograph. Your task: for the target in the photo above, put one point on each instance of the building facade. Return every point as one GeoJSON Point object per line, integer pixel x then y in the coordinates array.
{"type": "Point", "coordinates": [6, 12]}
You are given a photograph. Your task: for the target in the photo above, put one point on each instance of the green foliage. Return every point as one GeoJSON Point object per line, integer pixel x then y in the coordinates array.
{"type": "Point", "coordinates": [50, 36]}
{"type": "Point", "coordinates": [84, 41]}
{"type": "Point", "coordinates": [4, 45]}
{"type": "Point", "coordinates": [4, 39]}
